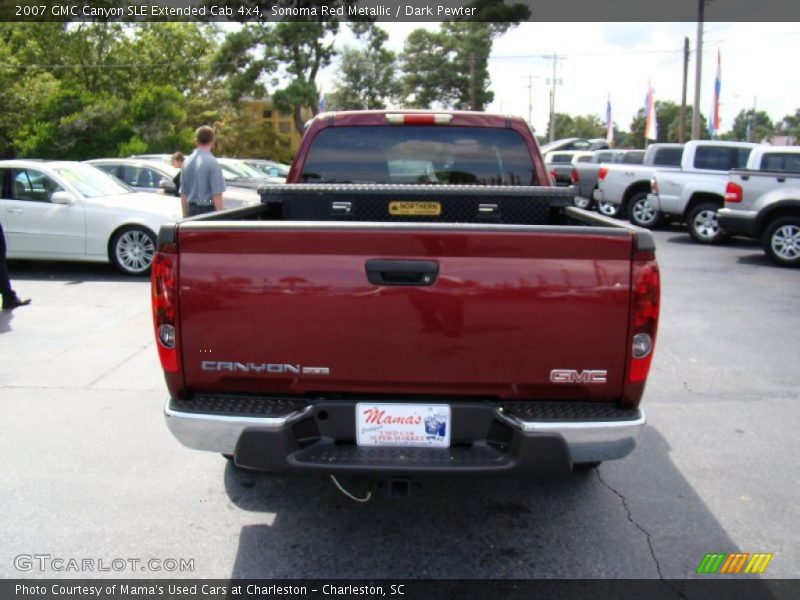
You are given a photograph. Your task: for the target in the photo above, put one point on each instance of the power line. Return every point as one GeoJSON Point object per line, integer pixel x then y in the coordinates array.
{"type": "Point", "coordinates": [114, 65]}
{"type": "Point", "coordinates": [336, 59]}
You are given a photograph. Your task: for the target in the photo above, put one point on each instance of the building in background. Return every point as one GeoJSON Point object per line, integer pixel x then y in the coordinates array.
{"type": "Point", "coordinates": [260, 111]}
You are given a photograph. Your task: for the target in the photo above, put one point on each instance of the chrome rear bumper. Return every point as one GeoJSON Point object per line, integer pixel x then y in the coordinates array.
{"type": "Point", "coordinates": [587, 441]}
{"type": "Point", "coordinates": [600, 437]}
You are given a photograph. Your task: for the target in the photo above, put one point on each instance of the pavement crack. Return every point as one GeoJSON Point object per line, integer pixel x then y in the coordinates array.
{"type": "Point", "coordinates": [117, 366]}
{"type": "Point", "coordinates": [647, 536]}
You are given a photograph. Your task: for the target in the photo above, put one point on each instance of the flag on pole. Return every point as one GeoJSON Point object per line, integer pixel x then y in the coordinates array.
{"type": "Point", "coordinates": [609, 123]}
{"type": "Point", "coordinates": [713, 118]}
{"type": "Point", "coordinates": [650, 125]}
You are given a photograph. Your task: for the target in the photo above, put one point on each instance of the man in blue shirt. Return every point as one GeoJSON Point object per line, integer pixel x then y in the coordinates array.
{"type": "Point", "coordinates": [202, 182]}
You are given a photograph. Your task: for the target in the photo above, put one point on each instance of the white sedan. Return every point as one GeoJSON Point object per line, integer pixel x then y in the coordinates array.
{"type": "Point", "coordinates": [73, 211]}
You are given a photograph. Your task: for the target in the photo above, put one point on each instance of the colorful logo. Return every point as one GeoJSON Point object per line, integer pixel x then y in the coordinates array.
{"type": "Point", "coordinates": [734, 564]}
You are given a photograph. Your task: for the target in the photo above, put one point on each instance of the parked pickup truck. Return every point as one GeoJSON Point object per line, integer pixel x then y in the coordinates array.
{"type": "Point", "coordinates": [621, 188]}
{"type": "Point", "coordinates": [695, 192]}
{"type": "Point", "coordinates": [585, 174]}
{"type": "Point", "coordinates": [414, 300]}
{"type": "Point", "coordinates": [764, 204]}
{"type": "Point", "coordinates": [559, 165]}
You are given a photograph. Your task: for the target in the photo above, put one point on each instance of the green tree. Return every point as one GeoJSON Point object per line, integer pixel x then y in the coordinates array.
{"type": "Point", "coordinates": [428, 77]}
{"type": "Point", "coordinates": [790, 125]}
{"type": "Point", "coordinates": [243, 60]}
{"type": "Point", "coordinates": [449, 67]}
{"type": "Point", "coordinates": [472, 45]}
{"type": "Point", "coordinates": [367, 76]}
{"type": "Point", "coordinates": [100, 89]}
{"type": "Point", "coordinates": [587, 126]}
{"type": "Point", "coordinates": [563, 126]}
{"type": "Point", "coordinates": [181, 52]}
{"type": "Point", "coordinates": [25, 86]}
{"type": "Point", "coordinates": [75, 124]}
{"type": "Point", "coordinates": [621, 139]}
{"type": "Point", "coordinates": [750, 125]}
{"type": "Point", "coordinates": [290, 53]}
{"type": "Point", "coordinates": [668, 119]}
{"type": "Point", "coordinates": [158, 118]}
{"type": "Point", "coordinates": [237, 135]}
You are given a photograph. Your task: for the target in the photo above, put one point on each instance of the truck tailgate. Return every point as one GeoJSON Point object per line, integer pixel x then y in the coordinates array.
{"type": "Point", "coordinates": [287, 307]}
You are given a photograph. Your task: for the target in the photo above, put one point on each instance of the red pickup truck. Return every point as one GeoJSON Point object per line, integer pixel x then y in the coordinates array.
{"type": "Point", "coordinates": [418, 298]}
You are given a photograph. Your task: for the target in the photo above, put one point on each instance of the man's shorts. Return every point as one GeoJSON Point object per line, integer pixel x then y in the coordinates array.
{"type": "Point", "coordinates": [200, 209]}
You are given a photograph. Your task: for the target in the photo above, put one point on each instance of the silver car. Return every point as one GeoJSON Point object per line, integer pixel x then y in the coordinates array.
{"type": "Point", "coordinates": [156, 175]}
{"type": "Point", "coordinates": [141, 175]}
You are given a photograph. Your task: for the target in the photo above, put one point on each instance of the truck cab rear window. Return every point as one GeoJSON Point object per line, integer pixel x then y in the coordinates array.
{"type": "Point", "coordinates": [720, 158]}
{"type": "Point", "coordinates": [788, 162]}
{"type": "Point", "coordinates": [411, 154]}
{"type": "Point", "coordinates": [668, 157]}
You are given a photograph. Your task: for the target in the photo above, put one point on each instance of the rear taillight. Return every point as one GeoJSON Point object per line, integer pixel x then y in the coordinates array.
{"type": "Point", "coordinates": [733, 192]}
{"type": "Point", "coordinates": [601, 174]}
{"type": "Point", "coordinates": [419, 119]}
{"type": "Point", "coordinates": [653, 185]}
{"type": "Point", "coordinates": [645, 294]}
{"type": "Point", "coordinates": [553, 176]}
{"type": "Point", "coordinates": [573, 177]}
{"type": "Point", "coordinates": [164, 298]}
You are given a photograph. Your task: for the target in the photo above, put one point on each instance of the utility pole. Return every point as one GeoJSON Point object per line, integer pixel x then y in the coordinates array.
{"type": "Point", "coordinates": [682, 134]}
{"type": "Point", "coordinates": [472, 99]}
{"type": "Point", "coordinates": [530, 106]}
{"type": "Point", "coordinates": [553, 83]}
{"type": "Point", "coordinates": [701, 5]}
{"type": "Point", "coordinates": [751, 120]}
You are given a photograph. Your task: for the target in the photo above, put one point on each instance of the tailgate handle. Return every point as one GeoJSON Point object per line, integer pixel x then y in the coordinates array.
{"type": "Point", "coordinates": [402, 272]}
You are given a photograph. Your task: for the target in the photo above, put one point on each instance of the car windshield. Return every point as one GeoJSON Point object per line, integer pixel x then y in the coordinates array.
{"type": "Point", "coordinates": [229, 173]}
{"type": "Point", "coordinates": [272, 169]}
{"type": "Point", "coordinates": [242, 170]}
{"type": "Point", "coordinates": [168, 170]}
{"type": "Point", "coordinates": [92, 182]}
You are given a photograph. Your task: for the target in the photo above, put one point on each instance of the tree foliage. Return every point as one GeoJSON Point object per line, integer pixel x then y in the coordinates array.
{"type": "Point", "coordinates": [288, 55]}
{"type": "Point", "coordinates": [103, 89]}
{"type": "Point", "coordinates": [92, 89]}
{"type": "Point", "coordinates": [790, 125]}
{"type": "Point", "coordinates": [753, 126]}
{"type": "Point", "coordinates": [450, 67]}
{"type": "Point", "coordinates": [366, 78]}
{"type": "Point", "coordinates": [582, 126]}
{"type": "Point", "coordinates": [668, 120]}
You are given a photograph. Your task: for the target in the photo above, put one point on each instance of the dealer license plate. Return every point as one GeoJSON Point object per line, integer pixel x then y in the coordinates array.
{"type": "Point", "coordinates": [425, 425]}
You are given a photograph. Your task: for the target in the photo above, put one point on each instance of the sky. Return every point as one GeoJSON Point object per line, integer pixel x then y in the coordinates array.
{"type": "Point", "coordinates": [618, 59]}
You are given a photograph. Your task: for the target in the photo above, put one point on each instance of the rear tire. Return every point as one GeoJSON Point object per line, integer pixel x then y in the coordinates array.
{"type": "Point", "coordinates": [581, 202]}
{"type": "Point", "coordinates": [609, 210]}
{"type": "Point", "coordinates": [703, 225]}
{"type": "Point", "coordinates": [781, 241]}
{"type": "Point", "coordinates": [641, 213]}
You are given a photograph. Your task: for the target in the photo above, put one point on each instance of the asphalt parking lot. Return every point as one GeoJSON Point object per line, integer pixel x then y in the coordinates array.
{"type": "Point", "coordinates": [90, 470]}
